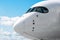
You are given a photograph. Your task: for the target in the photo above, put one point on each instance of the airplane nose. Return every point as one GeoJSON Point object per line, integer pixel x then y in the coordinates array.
{"type": "Point", "coordinates": [18, 27]}
{"type": "Point", "coordinates": [20, 24]}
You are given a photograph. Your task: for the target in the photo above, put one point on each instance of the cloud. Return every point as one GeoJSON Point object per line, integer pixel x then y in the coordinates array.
{"type": "Point", "coordinates": [8, 21]}
{"type": "Point", "coordinates": [7, 33]}
{"type": "Point", "coordinates": [2, 32]}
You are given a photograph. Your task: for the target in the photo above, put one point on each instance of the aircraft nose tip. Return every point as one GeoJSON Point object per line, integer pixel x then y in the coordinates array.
{"type": "Point", "coordinates": [19, 27]}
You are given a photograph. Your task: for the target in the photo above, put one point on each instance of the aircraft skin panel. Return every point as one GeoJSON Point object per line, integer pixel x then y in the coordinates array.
{"type": "Point", "coordinates": [37, 25]}
{"type": "Point", "coordinates": [45, 25]}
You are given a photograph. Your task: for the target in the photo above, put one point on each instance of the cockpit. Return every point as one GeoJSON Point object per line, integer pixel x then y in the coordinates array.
{"type": "Point", "coordinates": [39, 9]}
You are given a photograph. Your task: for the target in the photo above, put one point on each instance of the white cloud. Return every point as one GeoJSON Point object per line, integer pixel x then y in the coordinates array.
{"type": "Point", "coordinates": [8, 21]}
{"type": "Point", "coordinates": [2, 32]}
{"type": "Point", "coordinates": [6, 33]}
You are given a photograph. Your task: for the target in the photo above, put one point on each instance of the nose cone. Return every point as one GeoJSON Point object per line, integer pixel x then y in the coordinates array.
{"type": "Point", "coordinates": [20, 24]}
{"type": "Point", "coordinates": [18, 27]}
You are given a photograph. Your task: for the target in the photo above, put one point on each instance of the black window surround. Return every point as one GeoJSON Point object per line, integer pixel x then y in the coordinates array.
{"type": "Point", "coordinates": [39, 9]}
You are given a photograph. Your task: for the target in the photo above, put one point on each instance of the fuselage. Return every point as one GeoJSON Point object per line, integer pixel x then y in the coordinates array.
{"type": "Point", "coordinates": [42, 20]}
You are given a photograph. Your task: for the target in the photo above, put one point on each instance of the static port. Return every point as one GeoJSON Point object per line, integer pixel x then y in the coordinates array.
{"type": "Point", "coordinates": [33, 23]}
{"type": "Point", "coordinates": [36, 15]}
{"type": "Point", "coordinates": [33, 20]}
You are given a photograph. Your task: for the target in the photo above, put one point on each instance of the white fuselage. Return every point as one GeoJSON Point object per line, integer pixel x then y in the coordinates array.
{"type": "Point", "coordinates": [36, 25]}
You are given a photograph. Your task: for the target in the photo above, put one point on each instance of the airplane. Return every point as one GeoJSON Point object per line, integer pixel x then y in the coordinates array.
{"type": "Point", "coordinates": [41, 21]}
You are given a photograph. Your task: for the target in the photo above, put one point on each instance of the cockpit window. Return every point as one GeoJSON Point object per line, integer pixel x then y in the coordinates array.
{"type": "Point", "coordinates": [40, 9]}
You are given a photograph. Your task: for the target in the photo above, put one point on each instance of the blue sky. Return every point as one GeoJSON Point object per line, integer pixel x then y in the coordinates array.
{"type": "Point", "coordinates": [10, 12]}
{"type": "Point", "coordinates": [14, 8]}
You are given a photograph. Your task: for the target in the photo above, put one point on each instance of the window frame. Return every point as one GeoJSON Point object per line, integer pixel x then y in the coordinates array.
{"type": "Point", "coordinates": [42, 9]}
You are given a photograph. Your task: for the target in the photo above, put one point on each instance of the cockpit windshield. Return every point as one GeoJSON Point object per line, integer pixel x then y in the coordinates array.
{"type": "Point", "coordinates": [40, 9]}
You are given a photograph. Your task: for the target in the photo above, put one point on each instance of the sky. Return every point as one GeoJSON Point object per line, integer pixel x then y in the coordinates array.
{"type": "Point", "coordinates": [14, 8]}
{"type": "Point", "coordinates": [10, 12]}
